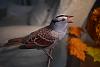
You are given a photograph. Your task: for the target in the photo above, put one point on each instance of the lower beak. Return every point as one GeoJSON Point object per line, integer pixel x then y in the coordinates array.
{"type": "Point", "coordinates": [70, 21]}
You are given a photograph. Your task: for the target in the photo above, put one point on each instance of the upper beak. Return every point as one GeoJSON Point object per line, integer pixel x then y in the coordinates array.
{"type": "Point", "coordinates": [70, 16]}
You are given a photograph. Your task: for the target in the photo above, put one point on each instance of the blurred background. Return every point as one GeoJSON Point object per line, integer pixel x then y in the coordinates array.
{"type": "Point", "coordinates": [40, 12]}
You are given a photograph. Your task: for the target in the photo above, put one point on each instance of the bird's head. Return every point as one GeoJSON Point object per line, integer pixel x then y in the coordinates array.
{"type": "Point", "coordinates": [61, 21]}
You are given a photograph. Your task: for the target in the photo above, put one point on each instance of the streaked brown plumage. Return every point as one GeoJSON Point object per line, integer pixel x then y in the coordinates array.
{"type": "Point", "coordinates": [41, 38]}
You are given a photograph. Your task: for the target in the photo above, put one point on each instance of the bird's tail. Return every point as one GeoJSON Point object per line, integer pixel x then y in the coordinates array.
{"type": "Point", "coordinates": [13, 42]}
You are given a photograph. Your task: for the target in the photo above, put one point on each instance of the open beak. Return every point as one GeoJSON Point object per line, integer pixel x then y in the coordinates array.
{"type": "Point", "coordinates": [70, 19]}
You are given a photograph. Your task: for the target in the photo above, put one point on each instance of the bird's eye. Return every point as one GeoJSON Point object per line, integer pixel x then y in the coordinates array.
{"type": "Point", "coordinates": [63, 19]}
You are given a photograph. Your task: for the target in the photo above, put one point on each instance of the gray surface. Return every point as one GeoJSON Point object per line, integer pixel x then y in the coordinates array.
{"type": "Point", "coordinates": [14, 57]}
{"type": "Point", "coordinates": [60, 55]}
{"type": "Point", "coordinates": [22, 58]}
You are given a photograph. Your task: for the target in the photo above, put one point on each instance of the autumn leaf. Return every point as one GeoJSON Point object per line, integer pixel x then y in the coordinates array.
{"type": "Point", "coordinates": [94, 52]}
{"type": "Point", "coordinates": [77, 48]}
{"type": "Point", "coordinates": [74, 30]}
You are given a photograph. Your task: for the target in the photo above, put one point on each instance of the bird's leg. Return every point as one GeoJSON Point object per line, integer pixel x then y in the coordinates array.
{"type": "Point", "coordinates": [48, 53]}
{"type": "Point", "coordinates": [49, 60]}
{"type": "Point", "coordinates": [50, 49]}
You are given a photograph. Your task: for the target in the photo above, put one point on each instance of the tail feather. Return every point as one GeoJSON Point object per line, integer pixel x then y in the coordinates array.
{"type": "Point", "coordinates": [13, 42]}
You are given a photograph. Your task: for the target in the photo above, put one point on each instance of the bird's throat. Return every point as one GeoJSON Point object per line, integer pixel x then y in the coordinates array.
{"type": "Point", "coordinates": [60, 28]}
{"type": "Point", "coordinates": [61, 31]}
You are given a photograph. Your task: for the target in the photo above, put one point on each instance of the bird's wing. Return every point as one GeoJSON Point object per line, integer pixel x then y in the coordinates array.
{"type": "Point", "coordinates": [43, 37]}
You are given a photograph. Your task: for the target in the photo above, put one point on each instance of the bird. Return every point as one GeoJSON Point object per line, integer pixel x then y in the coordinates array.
{"type": "Point", "coordinates": [45, 37]}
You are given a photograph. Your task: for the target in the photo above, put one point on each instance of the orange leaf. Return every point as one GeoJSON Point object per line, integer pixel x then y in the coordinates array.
{"type": "Point", "coordinates": [74, 30]}
{"type": "Point", "coordinates": [77, 48]}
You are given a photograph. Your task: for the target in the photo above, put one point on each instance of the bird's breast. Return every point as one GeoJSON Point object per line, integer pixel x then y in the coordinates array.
{"type": "Point", "coordinates": [60, 33]}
